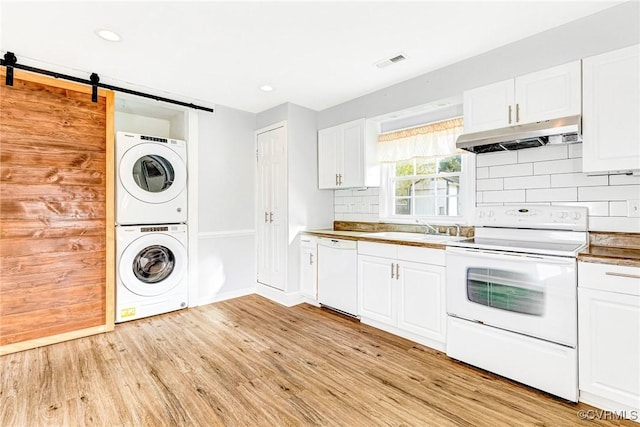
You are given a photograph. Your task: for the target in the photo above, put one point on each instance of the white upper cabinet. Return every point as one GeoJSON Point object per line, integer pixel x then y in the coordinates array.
{"type": "Point", "coordinates": [352, 172]}
{"type": "Point", "coordinates": [346, 156]}
{"type": "Point", "coordinates": [611, 111]}
{"type": "Point", "coordinates": [489, 107]}
{"type": "Point", "coordinates": [543, 95]}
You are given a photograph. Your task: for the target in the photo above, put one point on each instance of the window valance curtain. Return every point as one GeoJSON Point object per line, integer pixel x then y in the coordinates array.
{"type": "Point", "coordinates": [432, 140]}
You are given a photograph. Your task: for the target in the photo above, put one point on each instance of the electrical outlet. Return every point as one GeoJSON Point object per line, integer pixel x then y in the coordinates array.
{"type": "Point", "coordinates": [633, 208]}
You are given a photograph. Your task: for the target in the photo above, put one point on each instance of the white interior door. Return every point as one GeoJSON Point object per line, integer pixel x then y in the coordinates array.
{"type": "Point", "coordinates": [271, 209]}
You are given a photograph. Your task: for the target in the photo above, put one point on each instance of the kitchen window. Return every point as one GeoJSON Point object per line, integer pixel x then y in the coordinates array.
{"type": "Point", "coordinates": [423, 176]}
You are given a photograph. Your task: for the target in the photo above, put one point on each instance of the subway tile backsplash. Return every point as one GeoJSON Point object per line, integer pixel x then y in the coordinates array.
{"type": "Point", "coordinates": [552, 175]}
{"type": "Point", "coordinates": [357, 205]}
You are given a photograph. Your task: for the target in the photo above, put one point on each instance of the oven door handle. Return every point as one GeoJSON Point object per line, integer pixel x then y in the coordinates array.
{"type": "Point", "coordinates": [484, 254]}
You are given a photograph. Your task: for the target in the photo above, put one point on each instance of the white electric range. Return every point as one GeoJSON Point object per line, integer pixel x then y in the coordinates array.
{"type": "Point", "coordinates": [512, 295]}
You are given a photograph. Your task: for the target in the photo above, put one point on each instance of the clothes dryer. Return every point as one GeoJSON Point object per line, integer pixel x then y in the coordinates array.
{"type": "Point", "coordinates": [151, 185]}
{"type": "Point", "coordinates": [151, 268]}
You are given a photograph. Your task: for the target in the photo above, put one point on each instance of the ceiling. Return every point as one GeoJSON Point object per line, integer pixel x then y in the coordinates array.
{"type": "Point", "coordinates": [314, 54]}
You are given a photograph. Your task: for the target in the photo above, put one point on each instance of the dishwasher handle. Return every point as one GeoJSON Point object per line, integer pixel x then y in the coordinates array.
{"type": "Point", "coordinates": [337, 243]}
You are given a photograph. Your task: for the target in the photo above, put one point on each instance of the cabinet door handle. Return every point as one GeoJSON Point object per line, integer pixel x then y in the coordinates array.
{"type": "Point", "coordinates": [336, 180]}
{"type": "Point", "coordinates": [397, 271]}
{"type": "Point", "coordinates": [340, 179]}
{"type": "Point", "coordinates": [310, 259]}
{"type": "Point", "coordinates": [629, 276]}
{"type": "Point", "coordinates": [270, 216]}
{"type": "Point", "coordinates": [392, 276]}
{"type": "Point", "coordinates": [266, 217]}
{"type": "Point", "coordinates": [509, 114]}
{"type": "Point", "coordinates": [517, 113]}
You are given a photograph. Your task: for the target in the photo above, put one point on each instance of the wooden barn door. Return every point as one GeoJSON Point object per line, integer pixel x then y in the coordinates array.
{"type": "Point", "coordinates": [56, 212]}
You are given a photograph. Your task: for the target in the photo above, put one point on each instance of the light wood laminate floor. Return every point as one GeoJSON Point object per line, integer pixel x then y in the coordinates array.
{"type": "Point", "coordinates": [251, 362]}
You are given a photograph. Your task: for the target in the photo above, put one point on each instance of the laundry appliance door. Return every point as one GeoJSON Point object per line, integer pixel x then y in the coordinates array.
{"type": "Point", "coordinates": [153, 264]}
{"type": "Point", "coordinates": [152, 173]}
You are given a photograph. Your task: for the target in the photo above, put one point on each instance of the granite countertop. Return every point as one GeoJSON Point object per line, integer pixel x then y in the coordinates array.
{"type": "Point", "coordinates": [361, 236]}
{"type": "Point", "coordinates": [612, 248]}
{"type": "Point", "coordinates": [604, 247]}
{"type": "Point", "coordinates": [611, 255]}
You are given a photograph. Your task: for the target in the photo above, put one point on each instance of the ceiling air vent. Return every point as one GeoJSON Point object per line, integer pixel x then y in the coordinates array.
{"type": "Point", "coordinates": [390, 61]}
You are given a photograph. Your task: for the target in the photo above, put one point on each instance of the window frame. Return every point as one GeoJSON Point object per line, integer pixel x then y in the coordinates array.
{"type": "Point", "coordinates": [467, 195]}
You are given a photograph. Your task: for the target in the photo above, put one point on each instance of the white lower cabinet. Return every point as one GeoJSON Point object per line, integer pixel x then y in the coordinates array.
{"type": "Point", "coordinates": [421, 302]}
{"type": "Point", "coordinates": [308, 267]}
{"type": "Point", "coordinates": [609, 337]}
{"type": "Point", "coordinates": [401, 290]}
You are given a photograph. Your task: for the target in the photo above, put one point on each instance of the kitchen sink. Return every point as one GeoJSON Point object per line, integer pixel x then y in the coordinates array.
{"type": "Point", "coordinates": [412, 237]}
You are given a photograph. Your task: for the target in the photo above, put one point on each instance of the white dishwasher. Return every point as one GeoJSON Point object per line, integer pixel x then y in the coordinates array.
{"type": "Point", "coordinates": [337, 275]}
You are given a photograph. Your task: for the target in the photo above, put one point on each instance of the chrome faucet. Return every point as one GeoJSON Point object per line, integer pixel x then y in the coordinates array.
{"type": "Point", "coordinates": [457, 229]}
{"type": "Point", "coordinates": [430, 228]}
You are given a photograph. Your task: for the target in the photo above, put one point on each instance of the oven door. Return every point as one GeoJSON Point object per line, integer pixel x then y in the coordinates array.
{"type": "Point", "coordinates": [534, 295]}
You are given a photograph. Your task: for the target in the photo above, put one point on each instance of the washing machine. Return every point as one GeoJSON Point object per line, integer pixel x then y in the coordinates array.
{"type": "Point", "coordinates": [151, 270]}
{"type": "Point", "coordinates": [151, 185]}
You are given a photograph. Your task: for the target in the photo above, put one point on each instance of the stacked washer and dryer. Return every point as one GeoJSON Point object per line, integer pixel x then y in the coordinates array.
{"type": "Point", "coordinates": [151, 230]}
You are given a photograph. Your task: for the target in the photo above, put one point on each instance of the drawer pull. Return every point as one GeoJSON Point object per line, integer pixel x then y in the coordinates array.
{"type": "Point", "coordinates": [630, 276]}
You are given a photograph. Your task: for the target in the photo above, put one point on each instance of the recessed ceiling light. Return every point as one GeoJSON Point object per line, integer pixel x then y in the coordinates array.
{"type": "Point", "coordinates": [266, 88]}
{"type": "Point", "coordinates": [108, 35]}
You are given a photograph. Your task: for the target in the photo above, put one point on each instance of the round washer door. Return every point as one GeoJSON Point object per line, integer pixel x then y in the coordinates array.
{"type": "Point", "coordinates": [152, 173]}
{"type": "Point", "coordinates": [153, 264]}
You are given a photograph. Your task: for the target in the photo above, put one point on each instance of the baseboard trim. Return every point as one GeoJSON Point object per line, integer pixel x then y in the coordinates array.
{"type": "Point", "coordinates": [226, 296]}
{"type": "Point", "coordinates": [431, 343]}
{"type": "Point", "coordinates": [287, 299]}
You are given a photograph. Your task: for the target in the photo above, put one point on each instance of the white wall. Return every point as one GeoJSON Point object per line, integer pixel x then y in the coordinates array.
{"type": "Point", "coordinates": [610, 29]}
{"type": "Point", "coordinates": [309, 207]}
{"type": "Point", "coordinates": [142, 124]}
{"type": "Point", "coordinates": [226, 189]}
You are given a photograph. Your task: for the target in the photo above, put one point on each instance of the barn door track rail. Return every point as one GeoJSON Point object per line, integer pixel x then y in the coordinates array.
{"type": "Point", "coordinates": [10, 62]}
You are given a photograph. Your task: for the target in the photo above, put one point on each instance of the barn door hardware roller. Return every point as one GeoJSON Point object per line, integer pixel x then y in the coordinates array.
{"type": "Point", "coordinates": [95, 79]}
{"type": "Point", "coordinates": [10, 61]}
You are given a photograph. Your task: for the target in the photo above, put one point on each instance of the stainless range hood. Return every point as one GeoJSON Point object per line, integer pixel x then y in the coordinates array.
{"type": "Point", "coordinates": [557, 131]}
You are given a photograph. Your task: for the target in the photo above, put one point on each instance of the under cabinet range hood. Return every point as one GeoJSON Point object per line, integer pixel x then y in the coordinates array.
{"type": "Point", "coordinates": [564, 130]}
